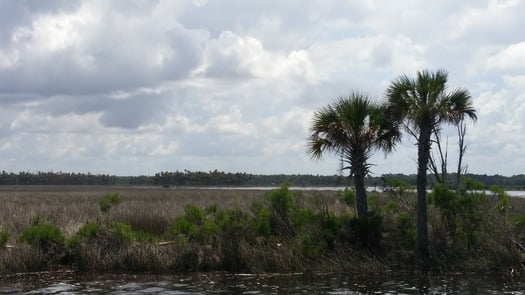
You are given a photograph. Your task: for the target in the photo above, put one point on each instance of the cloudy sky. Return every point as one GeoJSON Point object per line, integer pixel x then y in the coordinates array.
{"type": "Point", "coordinates": [138, 87]}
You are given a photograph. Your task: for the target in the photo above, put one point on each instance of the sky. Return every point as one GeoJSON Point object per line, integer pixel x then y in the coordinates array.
{"type": "Point", "coordinates": [138, 87]}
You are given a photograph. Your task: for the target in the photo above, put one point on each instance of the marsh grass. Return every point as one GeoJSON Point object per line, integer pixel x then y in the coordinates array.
{"type": "Point", "coordinates": [146, 209]}
{"type": "Point", "coordinates": [243, 230]}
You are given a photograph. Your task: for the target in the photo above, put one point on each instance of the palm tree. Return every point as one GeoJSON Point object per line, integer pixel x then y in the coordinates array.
{"type": "Point", "coordinates": [352, 127]}
{"type": "Point", "coordinates": [422, 105]}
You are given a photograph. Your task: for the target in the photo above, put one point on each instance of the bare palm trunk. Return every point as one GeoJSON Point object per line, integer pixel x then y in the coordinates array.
{"type": "Point", "coordinates": [360, 193]}
{"type": "Point", "coordinates": [423, 155]}
{"type": "Point", "coordinates": [361, 203]}
{"type": "Point", "coordinates": [359, 173]}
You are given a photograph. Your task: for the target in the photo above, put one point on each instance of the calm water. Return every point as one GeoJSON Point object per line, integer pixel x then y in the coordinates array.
{"type": "Point", "coordinates": [511, 193]}
{"type": "Point", "coordinates": [221, 283]}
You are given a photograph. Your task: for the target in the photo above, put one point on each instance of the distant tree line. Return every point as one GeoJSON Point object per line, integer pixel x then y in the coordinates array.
{"type": "Point", "coordinates": [515, 181]}
{"type": "Point", "coordinates": [56, 178]}
{"type": "Point", "coordinates": [220, 178]}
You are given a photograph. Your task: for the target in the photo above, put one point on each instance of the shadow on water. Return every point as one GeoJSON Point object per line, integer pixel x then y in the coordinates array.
{"type": "Point", "coordinates": [224, 283]}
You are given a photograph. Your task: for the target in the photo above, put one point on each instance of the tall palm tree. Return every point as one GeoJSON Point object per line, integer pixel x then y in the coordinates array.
{"type": "Point", "coordinates": [352, 127]}
{"type": "Point", "coordinates": [423, 104]}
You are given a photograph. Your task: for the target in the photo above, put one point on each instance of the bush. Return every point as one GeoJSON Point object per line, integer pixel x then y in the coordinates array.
{"type": "Point", "coordinates": [196, 224]}
{"type": "Point", "coordinates": [122, 231]}
{"type": "Point", "coordinates": [111, 235]}
{"type": "Point", "coordinates": [87, 231]}
{"type": "Point", "coordinates": [282, 200]}
{"type": "Point", "coordinates": [260, 223]}
{"type": "Point", "coordinates": [282, 204]}
{"type": "Point", "coordinates": [42, 235]}
{"type": "Point", "coordinates": [233, 223]}
{"type": "Point", "coordinates": [108, 201]}
{"type": "Point", "coordinates": [127, 234]}
{"type": "Point", "coordinates": [368, 230]}
{"type": "Point", "coordinates": [4, 236]}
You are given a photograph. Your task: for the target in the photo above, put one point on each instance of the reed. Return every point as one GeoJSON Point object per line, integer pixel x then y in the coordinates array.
{"type": "Point", "coordinates": [155, 229]}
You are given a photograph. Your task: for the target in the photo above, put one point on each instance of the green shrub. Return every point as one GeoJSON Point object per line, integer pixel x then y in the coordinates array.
{"type": "Point", "coordinates": [233, 222]}
{"type": "Point", "coordinates": [368, 230]}
{"type": "Point", "coordinates": [304, 217]}
{"type": "Point", "coordinates": [282, 204]}
{"type": "Point", "coordinates": [348, 197]}
{"type": "Point", "coordinates": [261, 221]}
{"type": "Point", "coordinates": [443, 198]}
{"type": "Point", "coordinates": [108, 235]}
{"type": "Point", "coordinates": [42, 235]}
{"type": "Point", "coordinates": [196, 224]}
{"type": "Point", "coordinates": [462, 215]}
{"type": "Point", "coordinates": [503, 198]}
{"type": "Point", "coordinates": [282, 200]}
{"type": "Point", "coordinates": [209, 227]}
{"type": "Point", "coordinates": [4, 236]}
{"type": "Point", "coordinates": [86, 231]}
{"type": "Point", "coordinates": [406, 228]}
{"type": "Point", "coordinates": [194, 214]}
{"type": "Point", "coordinates": [183, 226]}
{"type": "Point", "coordinates": [309, 245]}
{"type": "Point", "coordinates": [518, 221]}
{"type": "Point", "coordinates": [123, 231]}
{"type": "Point", "coordinates": [89, 229]}
{"type": "Point", "coordinates": [108, 201]}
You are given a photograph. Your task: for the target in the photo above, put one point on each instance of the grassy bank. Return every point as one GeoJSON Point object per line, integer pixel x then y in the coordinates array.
{"type": "Point", "coordinates": [181, 230]}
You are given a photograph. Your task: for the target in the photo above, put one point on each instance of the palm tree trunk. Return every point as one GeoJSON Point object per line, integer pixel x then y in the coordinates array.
{"type": "Point", "coordinates": [423, 155]}
{"type": "Point", "coordinates": [361, 203]}
{"type": "Point", "coordinates": [360, 193]}
{"type": "Point", "coordinates": [359, 173]}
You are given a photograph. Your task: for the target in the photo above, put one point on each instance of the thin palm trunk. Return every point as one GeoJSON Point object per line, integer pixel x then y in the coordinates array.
{"type": "Point", "coordinates": [360, 193]}
{"type": "Point", "coordinates": [423, 158]}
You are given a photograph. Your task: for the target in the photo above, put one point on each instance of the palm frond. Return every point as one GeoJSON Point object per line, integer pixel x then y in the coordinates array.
{"type": "Point", "coordinates": [352, 127]}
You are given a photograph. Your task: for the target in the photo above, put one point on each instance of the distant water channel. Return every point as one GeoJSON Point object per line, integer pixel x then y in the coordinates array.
{"type": "Point", "coordinates": [222, 283]}
{"type": "Point", "coordinates": [512, 193]}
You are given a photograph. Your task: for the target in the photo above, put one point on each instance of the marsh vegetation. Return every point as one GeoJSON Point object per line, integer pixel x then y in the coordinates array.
{"type": "Point", "coordinates": [185, 230]}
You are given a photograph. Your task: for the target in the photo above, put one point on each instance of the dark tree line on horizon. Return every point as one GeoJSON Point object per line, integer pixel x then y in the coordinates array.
{"type": "Point", "coordinates": [220, 178]}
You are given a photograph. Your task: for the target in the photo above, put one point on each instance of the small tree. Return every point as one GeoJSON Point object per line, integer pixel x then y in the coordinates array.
{"type": "Point", "coordinates": [423, 104]}
{"type": "Point", "coordinates": [353, 127]}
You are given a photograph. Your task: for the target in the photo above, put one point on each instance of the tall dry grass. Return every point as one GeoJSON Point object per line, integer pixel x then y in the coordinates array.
{"type": "Point", "coordinates": [154, 209]}
{"type": "Point", "coordinates": [150, 209]}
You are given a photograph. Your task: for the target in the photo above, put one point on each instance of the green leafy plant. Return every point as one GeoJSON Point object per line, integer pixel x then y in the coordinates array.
{"type": "Point", "coordinates": [108, 201]}
{"type": "Point", "coordinates": [261, 221]}
{"type": "Point", "coordinates": [42, 235]}
{"type": "Point", "coordinates": [349, 198]}
{"type": "Point", "coordinates": [4, 236]}
{"type": "Point", "coordinates": [282, 204]}
{"type": "Point", "coordinates": [196, 223]}
{"type": "Point", "coordinates": [87, 231]}
{"type": "Point", "coordinates": [503, 203]}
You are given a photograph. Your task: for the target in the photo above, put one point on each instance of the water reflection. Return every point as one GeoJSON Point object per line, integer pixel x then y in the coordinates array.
{"type": "Point", "coordinates": [222, 283]}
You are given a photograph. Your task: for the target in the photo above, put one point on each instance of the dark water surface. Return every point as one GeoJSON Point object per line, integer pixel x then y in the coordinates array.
{"type": "Point", "coordinates": [223, 283]}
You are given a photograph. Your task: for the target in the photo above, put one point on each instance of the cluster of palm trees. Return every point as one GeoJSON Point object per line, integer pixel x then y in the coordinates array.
{"type": "Point", "coordinates": [355, 126]}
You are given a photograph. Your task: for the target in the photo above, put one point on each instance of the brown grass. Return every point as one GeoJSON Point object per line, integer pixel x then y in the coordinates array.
{"type": "Point", "coordinates": [153, 210]}
{"type": "Point", "coordinates": [150, 209]}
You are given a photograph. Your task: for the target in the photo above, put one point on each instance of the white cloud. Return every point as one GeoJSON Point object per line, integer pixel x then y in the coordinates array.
{"type": "Point", "coordinates": [231, 123]}
{"type": "Point", "coordinates": [232, 56]}
{"type": "Point", "coordinates": [138, 87]}
{"type": "Point", "coordinates": [512, 57]}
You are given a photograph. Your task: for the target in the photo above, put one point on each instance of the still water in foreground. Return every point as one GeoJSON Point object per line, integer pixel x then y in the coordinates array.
{"type": "Point", "coordinates": [222, 283]}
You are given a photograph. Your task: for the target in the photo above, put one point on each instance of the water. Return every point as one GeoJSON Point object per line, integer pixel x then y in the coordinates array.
{"type": "Point", "coordinates": [512, 193]}
{"type": "Point", "coordinates": [222, 283]}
